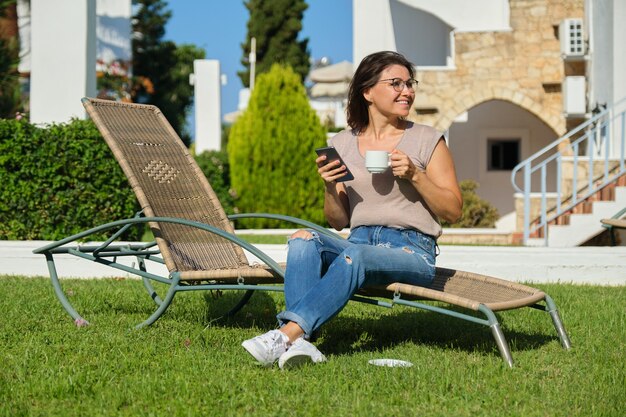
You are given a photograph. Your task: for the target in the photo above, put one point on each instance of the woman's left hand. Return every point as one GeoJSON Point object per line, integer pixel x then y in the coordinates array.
{"type": "Point", "coordinates": [401, 165]}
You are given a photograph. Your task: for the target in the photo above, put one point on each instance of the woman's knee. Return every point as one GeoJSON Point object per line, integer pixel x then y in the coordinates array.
{"type": "Point", "coordinates": [301, 244]}
{"type": "Point", "coordinates": [302, 234]}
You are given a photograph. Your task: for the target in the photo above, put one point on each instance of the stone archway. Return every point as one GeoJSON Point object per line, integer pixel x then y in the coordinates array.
{"type": "Point", "coordinates": [475, 97]}
{"type": "Point", "coordinates": [522, 66]}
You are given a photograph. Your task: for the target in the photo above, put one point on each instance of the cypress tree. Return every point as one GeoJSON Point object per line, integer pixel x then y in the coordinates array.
{"type": "Point", "coordinates": [275, 25]}
{"type": "Point", "coordinates": [271, 151]}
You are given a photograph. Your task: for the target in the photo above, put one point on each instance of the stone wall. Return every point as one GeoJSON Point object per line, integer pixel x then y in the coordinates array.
{"type": "Point", "coordinates": [523, 66]}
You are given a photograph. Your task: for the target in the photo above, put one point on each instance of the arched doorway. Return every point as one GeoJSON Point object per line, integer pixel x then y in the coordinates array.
{"type": "Point", "coordinates": [489, 140]}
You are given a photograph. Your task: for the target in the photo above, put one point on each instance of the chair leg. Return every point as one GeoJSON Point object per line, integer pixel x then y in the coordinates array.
{"type": "Point", "coordinates": [165, 303]}
{"type": "Point", "coordinates": [146, 282]}
{"type": "Point", "coordinates": [78, 320]}
{"type": "Point", "coordinates": [496, 331]}
{"type": "Point", "coordinates": [151, 291]}
{"type": "Point", "coordinates": [558, 324]}
{"type": "Point", "coordinates": [503, 346]}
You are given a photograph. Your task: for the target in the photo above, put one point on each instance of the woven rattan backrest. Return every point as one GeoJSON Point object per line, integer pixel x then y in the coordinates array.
{"type": "Point", "coordinates": [168, 183]}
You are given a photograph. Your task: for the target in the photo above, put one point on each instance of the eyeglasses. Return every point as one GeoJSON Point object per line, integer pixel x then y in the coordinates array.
{"type": "Point", "coordinates": [398, 84]}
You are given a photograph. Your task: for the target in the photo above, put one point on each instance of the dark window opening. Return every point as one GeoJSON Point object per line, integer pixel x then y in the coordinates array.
{"type": "Point", "coordinates": [503, 154]}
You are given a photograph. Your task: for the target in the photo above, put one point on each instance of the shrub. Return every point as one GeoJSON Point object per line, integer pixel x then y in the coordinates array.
{"type": "Point", "coordinates": [271, 151]}
{"type": "Point", "coordinates": [59, 180]}
{"type": "Point", "coordinates": [214, 165]}
{"type": "Point", "coordinates": [476, 211]}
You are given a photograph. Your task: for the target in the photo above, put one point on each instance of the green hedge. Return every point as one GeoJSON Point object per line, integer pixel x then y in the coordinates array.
{"type": "Point", "coordinates": [215, 166]}
{"type": "Point", "coordinates": [59, 180]}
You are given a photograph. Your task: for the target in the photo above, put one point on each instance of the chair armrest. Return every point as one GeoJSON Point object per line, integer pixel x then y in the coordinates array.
{"type": "Point", "coordinates": [289, 219]}
{"type": "Point", "coordinates": [54, 247]}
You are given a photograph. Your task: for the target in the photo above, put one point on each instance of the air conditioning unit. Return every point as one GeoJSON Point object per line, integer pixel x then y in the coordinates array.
{"type": "Point", "coordinates": [572, 40]}
{"type": "Point", "coordinates": [574, 96]}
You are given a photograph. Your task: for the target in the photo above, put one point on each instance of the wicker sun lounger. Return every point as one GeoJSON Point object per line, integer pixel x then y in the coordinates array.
{"type": "Point", "coordinates": [196, 241]}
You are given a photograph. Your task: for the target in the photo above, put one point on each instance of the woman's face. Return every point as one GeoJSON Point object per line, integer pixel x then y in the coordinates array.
{"type": "Point", "coordinates": [385, 99]}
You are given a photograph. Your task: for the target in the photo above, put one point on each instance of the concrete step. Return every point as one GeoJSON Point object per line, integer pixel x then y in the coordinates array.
{"type": "Point", "coordinates": [599, 212]}
{"type": "Point", "coordinates": [536, 242]}
{"type": "Point", "coordinates": [620, 195]}
{"type": "Point", "coordinates": [583, 227]}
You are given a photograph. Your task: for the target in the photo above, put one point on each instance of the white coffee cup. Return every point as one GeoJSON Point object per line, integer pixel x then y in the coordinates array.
{"type": "Point", "coordinates": [377, 161]}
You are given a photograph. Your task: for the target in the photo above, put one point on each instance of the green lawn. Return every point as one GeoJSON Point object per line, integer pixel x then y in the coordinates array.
{"type": "Point", "coordinates": [188, 363]}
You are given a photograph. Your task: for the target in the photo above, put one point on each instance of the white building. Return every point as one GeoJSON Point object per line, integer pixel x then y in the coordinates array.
{"type": "Point", "coordinates": [328, 94]}
{"type": "Point", "coordinates": [63, 43]}
{"type": "Point", "coordinates": [498, 76]}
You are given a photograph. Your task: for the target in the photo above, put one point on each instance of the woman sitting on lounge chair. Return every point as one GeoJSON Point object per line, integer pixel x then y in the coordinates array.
{"type": "Point", "coordinates": [393, 215]}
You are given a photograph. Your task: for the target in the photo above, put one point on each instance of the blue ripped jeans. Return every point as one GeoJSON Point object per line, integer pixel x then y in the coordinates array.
{"type": "Point", "coordinates": [324, 272]}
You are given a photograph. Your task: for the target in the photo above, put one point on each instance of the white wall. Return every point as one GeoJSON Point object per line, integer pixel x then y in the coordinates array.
{"type": "Point", "coordinates": [422, 37]}
{"type": "Point", "coordinates": [63, 58]}
{"type": "Point", "coordinates": [607, 36]}
{"type": "Point", "coordinates": [23, 23]}
{"type": "Point", "coordinates": [373, 23]}
{"type": "Point", "coordinates": [333, 108]}
{"type": "Point", "coordinates": [468, 16]}
{"type": "Point", "coordinates": [113, 30]}
{"type": "Point", "coordinates": [619, 17]}
{"type": "Point", "coordinates": [207, 97]}
{"type": "Point", "coordinates": [468, 145]}
{"type": "Point", "coordinates": [372, 28]}
{"type": "Point", "coordinates": [601, 44]}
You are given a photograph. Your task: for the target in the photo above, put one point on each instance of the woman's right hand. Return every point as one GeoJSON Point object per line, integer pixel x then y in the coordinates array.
{"type": "Point", "coordinates": [330, 172]}
{"type": "Point", "coordinates": [335, 198]}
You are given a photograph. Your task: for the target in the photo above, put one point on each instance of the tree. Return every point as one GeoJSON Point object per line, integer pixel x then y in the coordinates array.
{"type": "Point", "coordinates": [9, 60]}
{"type": "Point", "coordinates": [271, 151]}
{"type": "Point", "coordinates": [161, 68]}
{"type": "Point", "coordinates": [275, 25]}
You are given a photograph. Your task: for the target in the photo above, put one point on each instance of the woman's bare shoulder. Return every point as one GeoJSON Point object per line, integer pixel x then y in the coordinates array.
{"type": "Point", "coordinates": [342, 138]}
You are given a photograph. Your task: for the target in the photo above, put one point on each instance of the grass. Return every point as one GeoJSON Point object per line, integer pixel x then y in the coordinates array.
{"type": "Point", "coordinates": [265, 239]}
{"type": "Point", "coordinates": [188, 363]}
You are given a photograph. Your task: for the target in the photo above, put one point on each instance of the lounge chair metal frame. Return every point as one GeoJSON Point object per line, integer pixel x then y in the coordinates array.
{"type": "Point", "coordinates": [202, 252]}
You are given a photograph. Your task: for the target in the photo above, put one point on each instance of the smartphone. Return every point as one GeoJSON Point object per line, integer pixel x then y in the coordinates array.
{"type": "Point", "coordinates": [332, 155]}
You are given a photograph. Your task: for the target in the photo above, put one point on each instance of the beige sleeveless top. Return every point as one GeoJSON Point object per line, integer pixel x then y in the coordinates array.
{"type": "Point", "coordinates": [382, 199]}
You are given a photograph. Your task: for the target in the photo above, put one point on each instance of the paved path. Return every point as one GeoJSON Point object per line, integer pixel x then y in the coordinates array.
{"type": "Point", "coordinates": [581, 265]}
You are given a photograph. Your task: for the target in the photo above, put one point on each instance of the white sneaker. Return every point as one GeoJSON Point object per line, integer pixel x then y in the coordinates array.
{"type": "Point", "coordinates": [268, 347]}
{"type": "Point", "coordinates": [299, 353]}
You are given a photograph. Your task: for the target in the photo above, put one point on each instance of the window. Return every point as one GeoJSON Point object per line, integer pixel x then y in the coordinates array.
{"type": "Point", "coordinates": [502, 154]}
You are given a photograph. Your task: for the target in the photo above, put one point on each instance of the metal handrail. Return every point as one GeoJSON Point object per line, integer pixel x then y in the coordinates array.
{"type": "Point", "coordinates": [601, 139]}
